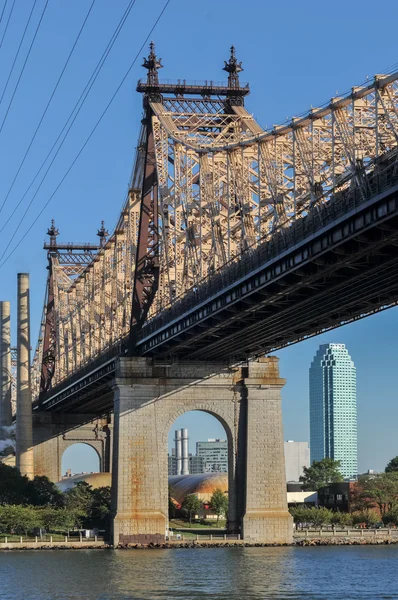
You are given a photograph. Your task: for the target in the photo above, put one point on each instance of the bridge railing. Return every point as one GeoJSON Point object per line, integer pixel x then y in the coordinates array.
{"type": "Point", "coordinates": [282, 240]}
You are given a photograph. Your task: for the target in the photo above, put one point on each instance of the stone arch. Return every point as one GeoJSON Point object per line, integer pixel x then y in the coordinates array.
{"type": "Point", "coordinates": [96, 445]}
{"type": "Point", "coordinates": [226, 421]}
{"type": "Point", "coordinates": [222, 409]}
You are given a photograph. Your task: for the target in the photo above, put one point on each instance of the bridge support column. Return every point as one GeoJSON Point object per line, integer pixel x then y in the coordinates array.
{"type": "Point", "coordinates": [266, 515]}
{"type": "Point", "coordinates": [148, 398]}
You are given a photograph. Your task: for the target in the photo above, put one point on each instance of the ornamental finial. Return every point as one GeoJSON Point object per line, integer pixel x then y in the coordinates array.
{"type": "Point", "coordinates": [102, 234]}
{"type": "Point", "coordinates": [153, 64]}
{"type": "Point", "coordinates": [233, 68]}
{"type": "Point", "coordinates": [52, 231]}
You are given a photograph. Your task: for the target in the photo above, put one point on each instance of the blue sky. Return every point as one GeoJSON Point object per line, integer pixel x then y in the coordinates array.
{"type": "Point", "coordinates": [295, 55]}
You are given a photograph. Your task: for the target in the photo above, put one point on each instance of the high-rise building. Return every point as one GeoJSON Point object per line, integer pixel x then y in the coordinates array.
{"type": "Point", "coordinates": [333, 408]}
{"type": "Point", "coordinates": [297, 456]}
{"type": "Point", "coordinates": [214, 453]}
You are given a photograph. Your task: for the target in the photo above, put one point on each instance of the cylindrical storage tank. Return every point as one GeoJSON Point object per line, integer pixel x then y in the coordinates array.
{"type": "Point", "coordinates": [5, 369]}
{"type": "Point", "coordinates": [24, 439]}
{"type": "Point", "coordinates": [185, 452]}
{"type": "Point", "coordinates": [178, 451]}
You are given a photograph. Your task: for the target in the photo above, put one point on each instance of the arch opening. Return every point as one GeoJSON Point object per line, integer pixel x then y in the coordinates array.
{"type": "Point", "coordinates": [80, 458]}
{"type": "Point", "coordinates": [201, 482]}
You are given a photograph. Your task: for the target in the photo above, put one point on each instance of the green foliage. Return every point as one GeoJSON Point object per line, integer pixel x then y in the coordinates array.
{"type": "Point", "coordinates": [191, 505]}
{"type": "Point", "coordinates": [56, 519]}
{"type": "Point", "coordinates": [26, 505]}
{"type": "Point", "coordinates": [219, 503]}
{"type": "Point", "coordinates": [100, 508]}
{"type": "Point", "coordinates": [366, 517]}
{"type": "Point", "coordinates": [18, 489]}
{"type": "Point", "coordinates": [380, 490]}
{"type": "Point", "coordinates": [342, 519]}
{"type": "Point", "coordinates": [392, 466]}
{"type": "Point", "coordinates": [315, 517]}
{"type": "Point", "coordinates": [42, 492]}
{"type": "Point", "coordinates": [13, 485]}
{"type": "Point", "coordinates": [19, 519]}
{"type": "Point", "coordinates": [391, 517]}
{"type": "Point", "coordinates": [321, 473]}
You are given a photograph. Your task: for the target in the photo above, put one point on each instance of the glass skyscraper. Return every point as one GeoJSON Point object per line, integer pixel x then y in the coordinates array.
{"type": "Point", "coordinates": [333, 408]}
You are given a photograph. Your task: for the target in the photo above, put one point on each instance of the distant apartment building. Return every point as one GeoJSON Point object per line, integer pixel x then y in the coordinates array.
{"type": "Point", "coordinates": [214, 453]}
{"type": "Point", "coordinates": [297, 456]}
{"type": "Point", "coordinates": [333, 408]}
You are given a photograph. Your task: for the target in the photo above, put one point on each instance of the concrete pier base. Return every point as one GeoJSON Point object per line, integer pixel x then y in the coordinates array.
{"type": "Point", "coordinates": [246, 401]}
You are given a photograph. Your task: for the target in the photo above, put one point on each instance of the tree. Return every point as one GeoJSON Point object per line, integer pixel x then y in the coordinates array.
{"type": "Point", "coordinates": [191, 505]}
{"type": "Point", "coordinates": [341, 518]}
{"type": "Point", "coordinates": [100, 509]}
{"type": "Point", "coordinates": [19, 519]}
{"type": "Point", "coordinates": [392, 466]}
{"type": "Point", "coordinates": [321, 473]}
{"type": "Point", "coordinates": [219, 503]}
{"type": "Point", "coordinates": [13, 485]}
{"type": "Point", "coordinates": [43, 492]}
{"type": "Point", "coordinates": [311, 516]}
{"type": "Point", "coordinates": [381, 490]}
{"type": "Point", "coordinates": [367, 516]}
{"type": "Point", "coordinates": [78, 500]}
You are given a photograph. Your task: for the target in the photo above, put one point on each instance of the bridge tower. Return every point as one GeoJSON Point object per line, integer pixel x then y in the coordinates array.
{"type": "Point", "coordinates": [149, 396]}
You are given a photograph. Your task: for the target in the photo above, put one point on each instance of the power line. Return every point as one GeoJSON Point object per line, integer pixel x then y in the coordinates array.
{"type": "Point", "coordinates": [24, 65]}
{"type": "Point", "coordinates": [17, 53]}
{"type": "Point", "coordinates": [2, 12]}
{"type": "Point", "coordinates": [81, 100]}
{"type": "Point", "coordinates": [89, 137]}
{"type": "Point", "coordinates": [47, 106]}
{"type": "Point", "coordinates": [8, 21]}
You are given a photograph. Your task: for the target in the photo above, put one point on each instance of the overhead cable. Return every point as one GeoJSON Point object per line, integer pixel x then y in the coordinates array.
{"type": "Point", "coordinates": [24, 65]}
{"type": "Point", "coordinates": [88, 138]}
{"type": "Point", "coordinates": [18, 49]}
{"type": "Point", "coordinates": [73, 115]}
{"type": "Point", "coordinates": [2, 10]}
{"type": "Point", "coordinates": [6, 27]}
{"type": "Point", "coordinates": [47, 106]}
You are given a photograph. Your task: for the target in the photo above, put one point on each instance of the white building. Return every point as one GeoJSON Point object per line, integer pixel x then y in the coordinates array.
{"type": "Point", "coordinates": [297, 456]}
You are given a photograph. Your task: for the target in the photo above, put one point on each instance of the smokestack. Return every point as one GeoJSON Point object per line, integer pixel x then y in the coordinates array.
{"type": "Point", "coordinates": [5, 369]}
{"type": "Point", "coordinates": [24, 440]}
{"type": "Point", "coordinates": [185, 456]}
{"type": "Point", "coordinates": [178, 451]}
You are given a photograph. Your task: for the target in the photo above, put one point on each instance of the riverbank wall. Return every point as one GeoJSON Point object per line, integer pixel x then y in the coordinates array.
{"type": "Point", "coordinates": [299, 542]}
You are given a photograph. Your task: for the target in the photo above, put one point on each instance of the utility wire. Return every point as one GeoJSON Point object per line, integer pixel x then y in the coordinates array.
{"type": "Point", "coordinates": [80, 102]}
{"type": "Point", "coordinates": [3, 9]}
{"type": "Point", "coordinates": [24, 65]}
{"type": "Point", "coordinates": [6, 27]}
{"type": "Point", "coordinates": [17, 53]}
{"type": "Point", "coordinates": [89, 137]}
{"type": "Point", "coordinates": [47, 106]}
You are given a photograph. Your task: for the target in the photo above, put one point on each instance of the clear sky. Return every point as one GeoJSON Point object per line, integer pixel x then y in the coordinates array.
{"type": "Point", "coordinates": [295, 55]}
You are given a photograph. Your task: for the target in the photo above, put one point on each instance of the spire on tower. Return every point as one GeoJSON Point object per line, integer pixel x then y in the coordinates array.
{"type": "Point", "coordinates": [153, 64]}
{"type": "Point", "coordinates": [102, 234]}
{"type": "Point", "coordinates": [233, 68]}
{"type": "Point", "coordinates": [52, 231]}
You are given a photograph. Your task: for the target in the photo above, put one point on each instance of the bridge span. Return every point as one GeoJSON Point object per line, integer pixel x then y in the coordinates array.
{"type": "Point", "coordinates": [233, 242]}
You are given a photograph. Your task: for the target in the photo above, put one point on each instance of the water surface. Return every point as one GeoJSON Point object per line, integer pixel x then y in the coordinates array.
{"type": "Point", "coordinates": [329, 572]}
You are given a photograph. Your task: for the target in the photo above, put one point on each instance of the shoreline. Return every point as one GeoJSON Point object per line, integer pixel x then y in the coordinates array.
{"type": "Point", "coordinates": [301, 543]}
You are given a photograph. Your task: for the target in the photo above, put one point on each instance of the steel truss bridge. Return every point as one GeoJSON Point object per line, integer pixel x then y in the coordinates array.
{"type": "Point", "coordinates": [233, 241]}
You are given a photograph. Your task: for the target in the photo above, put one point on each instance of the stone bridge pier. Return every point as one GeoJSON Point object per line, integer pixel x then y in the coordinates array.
{"type": "Point", "coordinates": [247, 402]}
{"type": "Point", "coordinates": [53, 433]}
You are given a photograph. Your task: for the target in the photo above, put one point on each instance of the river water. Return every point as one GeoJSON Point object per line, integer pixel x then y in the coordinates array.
{"type": "Point", "coordinates": [329, 572]}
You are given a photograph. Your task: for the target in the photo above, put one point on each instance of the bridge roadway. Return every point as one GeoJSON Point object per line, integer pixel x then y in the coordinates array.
{"type": "Point", "coordinates": [337, 264]}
